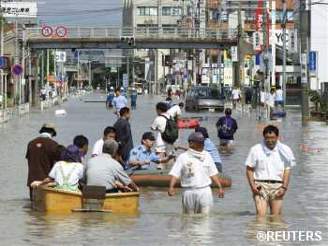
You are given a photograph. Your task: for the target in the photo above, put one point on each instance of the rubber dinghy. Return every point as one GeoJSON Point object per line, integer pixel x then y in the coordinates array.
{"type": "Point", "coordinates": [161, 178]}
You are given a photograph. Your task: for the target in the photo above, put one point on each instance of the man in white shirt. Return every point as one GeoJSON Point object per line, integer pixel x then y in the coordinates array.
{"type": "Point", "coordinates": [235, 96]}
{"type": "Point", "coordinates": [159, 125]}
{"type": "Point", "coordinates": [268, 168]}
{"type": "Point", "coordinates": [196, 170]}
{"type": "Point", "coordinates": [175, 111]}
{"type": "Point", "coordinates": [279, 98]}
{"type": "Point", "coordinates": [109, 133]}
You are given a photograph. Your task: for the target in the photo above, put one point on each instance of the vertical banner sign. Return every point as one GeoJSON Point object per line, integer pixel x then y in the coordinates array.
{"type": "Point", "coordinates": [304, 78]}
{"type": "Point", "coordinates": [312, 61]}
{"type": "Point", "coordinates": [258, 34]}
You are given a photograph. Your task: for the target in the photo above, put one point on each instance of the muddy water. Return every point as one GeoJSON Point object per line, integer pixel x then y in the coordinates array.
{"type": "Point", "coordinates": [160, 222]}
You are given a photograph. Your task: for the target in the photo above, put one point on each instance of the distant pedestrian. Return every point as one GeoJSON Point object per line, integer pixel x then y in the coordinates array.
{"type": "Point", "coordinates": [110, 98]}
{"type": "Point", "coordinates": [268, 168]}
{"type": "Point", "coordinates": [124, 135]}
{"type": "Point", "coordinates": [196, 170]}
{"type": "Point", "coordinates": [235, 96]}
{"type": "Point", "coordinates": [279, 98]}
{"type": "Point", "coordinates": [42, 153]}
{"type": "Point", "coordinates": [119, 102]}
{"type": "Point", "coordinates": [133, 97]}
{"type": "Point", "coordinates": [227, 127]}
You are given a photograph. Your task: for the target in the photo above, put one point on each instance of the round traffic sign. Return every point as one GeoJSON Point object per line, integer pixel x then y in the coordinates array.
{"type": "Point", "coordinates": [61, 31]}
{"type": "Point", "coordinates": [46, 31]}
{"type": "Point", "coordinates": [17, 69]}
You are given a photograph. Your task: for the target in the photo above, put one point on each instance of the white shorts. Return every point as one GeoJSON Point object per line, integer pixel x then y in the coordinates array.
{"type": "Point", "coordinates": [195, 201]}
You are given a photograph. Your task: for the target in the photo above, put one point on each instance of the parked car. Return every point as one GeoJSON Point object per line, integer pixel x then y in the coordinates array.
{"type": "Point", "coordinates": [204, 97]}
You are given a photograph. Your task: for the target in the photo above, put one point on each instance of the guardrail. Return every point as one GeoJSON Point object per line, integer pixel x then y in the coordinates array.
{"type": "Point", "coordinates": [140, 33]}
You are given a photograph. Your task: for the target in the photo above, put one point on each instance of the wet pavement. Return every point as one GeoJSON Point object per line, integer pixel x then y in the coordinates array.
{"type": "Point", "coordinates": [160, 221]}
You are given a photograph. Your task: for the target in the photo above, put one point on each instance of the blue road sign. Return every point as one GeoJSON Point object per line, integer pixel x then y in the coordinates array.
{"type": "Point", "coordinates": [312, 61]}
{"type": "Point", "coordinates": [17, 69]}
{"type": "Point", "coordinates": [3, 62]}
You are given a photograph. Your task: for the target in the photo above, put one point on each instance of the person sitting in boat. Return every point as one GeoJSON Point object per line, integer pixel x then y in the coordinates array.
{"type": "Point", "coordinates": [104, 170]}
{"type": "Point", "coordinates": [82, 143]}
{"type": "Point", "coordinates": [142, 156]}
{"type": "Point", "coordinates": [210, 147]}
{"type": "Point", "coordinates": [67, 172]}
{"type": "Point", "coordinates": [109, 133]}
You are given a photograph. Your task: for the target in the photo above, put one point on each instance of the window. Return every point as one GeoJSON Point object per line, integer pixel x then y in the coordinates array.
{"type": "Point", "coordinates": [176, 11]}
{"type": "Point", "coordinates": [166, 11]}
{"type": "Point", "coordinates": [153, 11]}
{"type": "Point", "coordinates": [147, 11]}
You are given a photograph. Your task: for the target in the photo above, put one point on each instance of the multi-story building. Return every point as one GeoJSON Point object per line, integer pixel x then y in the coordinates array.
{"type": "Point", "coordinates": [226, 14]}
{"type": "Point", "coordinates": [165, 66]}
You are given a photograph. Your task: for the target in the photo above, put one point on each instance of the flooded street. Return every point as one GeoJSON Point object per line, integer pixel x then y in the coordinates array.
{"type": "Point", "coordinates": [160, 220]}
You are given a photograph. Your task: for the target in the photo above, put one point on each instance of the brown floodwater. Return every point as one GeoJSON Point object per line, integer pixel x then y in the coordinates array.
{"type": "Point", "coordinates": [160, 221]}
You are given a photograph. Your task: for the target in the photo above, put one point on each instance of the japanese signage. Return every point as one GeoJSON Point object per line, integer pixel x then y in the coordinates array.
{"type": "Point", "coordinates": [60, 56]}
{"type": "Point", "coordinates": [19, 9]}
{"type": "Point", "coordinates": [313, 61]}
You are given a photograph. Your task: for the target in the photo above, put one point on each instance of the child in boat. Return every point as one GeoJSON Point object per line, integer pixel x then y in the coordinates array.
{"type": "Point", "coordinates": [67, 172]}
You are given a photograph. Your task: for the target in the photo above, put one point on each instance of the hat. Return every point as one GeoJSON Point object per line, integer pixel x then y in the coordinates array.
{"type": "Point", "coordinates": [196, 137]}
{"type": "Point", "coordinates": [149, 136]}
{"type": "Point", "coordinates": [49, 126]}
{"type": "Point", "coordinates": [71, 154]}
{"type": "Point", "coordinates": [202, 130]}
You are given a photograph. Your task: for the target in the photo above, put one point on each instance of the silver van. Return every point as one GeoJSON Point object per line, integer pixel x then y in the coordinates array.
{"type": "Point", "coordinates": [204, 97]}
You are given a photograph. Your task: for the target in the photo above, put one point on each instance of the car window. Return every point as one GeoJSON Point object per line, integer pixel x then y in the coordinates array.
{"type": "Point", "coordinates": [214, 93]}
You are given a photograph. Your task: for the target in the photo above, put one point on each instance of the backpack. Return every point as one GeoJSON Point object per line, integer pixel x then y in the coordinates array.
{"type": "Point", "coordinates": [171, 132]}
{"type": "Point", "coordinates": [226, 130]}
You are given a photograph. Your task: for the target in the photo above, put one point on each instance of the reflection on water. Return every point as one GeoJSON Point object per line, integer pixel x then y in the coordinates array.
{"type": "Point", "coordinates": [160, 222]}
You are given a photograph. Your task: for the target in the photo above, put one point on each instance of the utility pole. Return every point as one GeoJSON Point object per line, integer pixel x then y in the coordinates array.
{"type": "Point", "coordinates": [283, 25]}
{"type": "Point", "coordinates": [1, 54]}
{"type": "Point", "coordinates": [273, 41]}
{"type": "Point", "coordinates": [305, 25]}
{"type": "Point", "coordinates": [239, 48]}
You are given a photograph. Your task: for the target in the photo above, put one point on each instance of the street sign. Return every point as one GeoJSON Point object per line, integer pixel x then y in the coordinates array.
{"type": "Point", "coordinates": [47, 31]}
{"type": "Point", "coordinates": [312, 61]}
{"type": "Point", "coordinates": [17, 70]}
{"type": "Point", "coordinates": [3, 62]}
{"type": "Point", "coordinates": [125, 80]}
{"type": "Point", "coordinates": [304, 78]}
{"type": "Point", "coordinates": [60, 56]}
{"type": "Point", "coordinates": [61, 31]}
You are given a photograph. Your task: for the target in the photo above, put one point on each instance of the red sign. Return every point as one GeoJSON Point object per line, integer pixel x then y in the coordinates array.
{"type": "Point", "coordinates": [47, 31]}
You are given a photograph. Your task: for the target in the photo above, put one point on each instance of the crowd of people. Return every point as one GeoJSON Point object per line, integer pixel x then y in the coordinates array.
{"type": "Point", "coordinates": [114, 156]}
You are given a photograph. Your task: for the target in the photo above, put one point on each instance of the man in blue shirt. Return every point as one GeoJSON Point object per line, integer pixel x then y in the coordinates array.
{"type": "Point", "coordinates": [210, 147]}
{"type": "Point", "coordinates": [134, 96]}
{"type": "Point", "coordinates": [119, 102]}
{"type": "Point", "coordinates": [142, 157]}
{"type": "Point", "coordinates": [110, 98]}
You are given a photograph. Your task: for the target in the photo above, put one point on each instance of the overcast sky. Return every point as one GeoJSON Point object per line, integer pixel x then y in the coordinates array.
{"type": "Point", "coordinates": [84, 12]}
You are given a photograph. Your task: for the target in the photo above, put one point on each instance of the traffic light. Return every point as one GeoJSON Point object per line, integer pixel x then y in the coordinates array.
{"type": "Point", "coordinates": [128, 39]}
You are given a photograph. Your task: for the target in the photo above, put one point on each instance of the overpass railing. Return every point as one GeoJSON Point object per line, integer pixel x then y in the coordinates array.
{"type": "Point", "coordinates": [138, 33]}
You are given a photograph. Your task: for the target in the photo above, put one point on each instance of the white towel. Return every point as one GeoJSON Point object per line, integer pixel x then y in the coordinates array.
{"type": "Point", "coordinates": [286, 153]}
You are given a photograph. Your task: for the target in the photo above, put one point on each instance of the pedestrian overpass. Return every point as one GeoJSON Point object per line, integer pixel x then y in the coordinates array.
{"type": "Point", "coordinates": [116, 37]}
